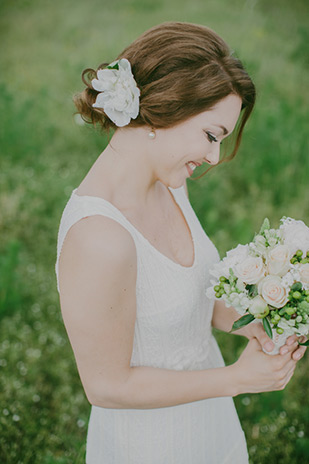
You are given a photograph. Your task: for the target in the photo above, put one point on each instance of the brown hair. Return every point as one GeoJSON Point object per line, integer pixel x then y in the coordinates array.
{"type": "Point", "coordinates": [181, 69]}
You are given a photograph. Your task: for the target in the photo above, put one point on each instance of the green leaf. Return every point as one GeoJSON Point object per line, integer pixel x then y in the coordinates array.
{"type": "Point", "coordinates": [244, 320]}
{"type": "Point", "coordinates": [305, 344]}
{"type": "Point", "coordinates": [116, 66]}
{"type": "Point", "coordinates": [267, 327]}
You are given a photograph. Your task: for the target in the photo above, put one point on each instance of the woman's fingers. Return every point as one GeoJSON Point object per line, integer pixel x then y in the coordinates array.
{"type": "Point", "coordinates": [288, 348]}
{"type": "Point", "coordinates": [292, 345]}
{"type": "Point", "coordinates": [263, 338]}
{"type": "Point", "coordinates": [299, 353]}
{"type": "Point", "coordinates": [290, 340]}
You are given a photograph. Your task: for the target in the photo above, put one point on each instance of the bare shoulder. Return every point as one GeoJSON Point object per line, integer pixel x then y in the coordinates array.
{"type": "Point", "coordinates": [96, 246]}
{"type": "Point", "coordinates": [99, 235]}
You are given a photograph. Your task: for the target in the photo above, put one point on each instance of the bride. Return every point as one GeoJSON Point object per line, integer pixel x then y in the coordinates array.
{"type": "Point", "coordinates": [133, 260]}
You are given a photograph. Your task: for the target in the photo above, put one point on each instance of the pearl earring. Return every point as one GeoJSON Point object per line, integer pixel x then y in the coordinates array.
{"type": "Point", "coordinates": [152, 134]}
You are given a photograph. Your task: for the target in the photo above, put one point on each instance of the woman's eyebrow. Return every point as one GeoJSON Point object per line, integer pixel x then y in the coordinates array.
{"type": "Point", "coordinates": [225, 131]}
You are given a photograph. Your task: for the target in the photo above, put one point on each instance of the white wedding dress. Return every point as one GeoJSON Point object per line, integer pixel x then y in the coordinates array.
{"type": "Point", "coordinates": [172, 331]}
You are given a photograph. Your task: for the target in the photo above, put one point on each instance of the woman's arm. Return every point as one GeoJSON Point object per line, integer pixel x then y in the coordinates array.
{"type": "Point", "coordinates": [97, 277]}
{"type": "Point", "coordinates": [223, 318]}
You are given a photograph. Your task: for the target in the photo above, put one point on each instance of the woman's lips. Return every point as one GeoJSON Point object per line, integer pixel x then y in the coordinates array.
{"type": "Point", "coordinates": [191, 165]}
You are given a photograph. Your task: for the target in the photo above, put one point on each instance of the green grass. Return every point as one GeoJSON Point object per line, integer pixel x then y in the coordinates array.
{"type": "Point", "coordinates": [45, 154]}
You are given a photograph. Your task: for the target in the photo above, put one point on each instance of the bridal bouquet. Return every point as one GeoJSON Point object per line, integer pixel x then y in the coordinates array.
{"type": "Point", "coordinates": [268, 280]}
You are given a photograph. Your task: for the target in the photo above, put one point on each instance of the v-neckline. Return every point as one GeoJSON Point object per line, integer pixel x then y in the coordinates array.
{"type": "Point", "coordinates": [169, 260]}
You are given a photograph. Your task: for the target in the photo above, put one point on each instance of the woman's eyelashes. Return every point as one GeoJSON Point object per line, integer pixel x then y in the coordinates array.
{"type": "Point", "coordinates": [211, 137]}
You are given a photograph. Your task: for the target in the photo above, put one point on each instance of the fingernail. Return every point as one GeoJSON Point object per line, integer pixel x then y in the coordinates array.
{"type": "Point", "coordinates": [284, 350]}
{"type": "Point", "coordinates": [269, 346]}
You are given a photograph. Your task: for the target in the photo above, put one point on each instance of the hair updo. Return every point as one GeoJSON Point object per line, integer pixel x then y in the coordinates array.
{"type": "Point", "coordinates": [181, 69]}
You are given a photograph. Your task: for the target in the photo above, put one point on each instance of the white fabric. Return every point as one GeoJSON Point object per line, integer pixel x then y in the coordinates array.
{"type": "Point", "coordinates": [173, 331]}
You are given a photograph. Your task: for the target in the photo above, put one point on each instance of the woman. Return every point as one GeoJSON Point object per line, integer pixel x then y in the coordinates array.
{"type": "Point", "coordinates": [134, 263]}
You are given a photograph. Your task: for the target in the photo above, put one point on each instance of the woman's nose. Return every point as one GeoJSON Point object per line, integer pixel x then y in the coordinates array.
{"type": "Point", "coordinates": [213, 156]}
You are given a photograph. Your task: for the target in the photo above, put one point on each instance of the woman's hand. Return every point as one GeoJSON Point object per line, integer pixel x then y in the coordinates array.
{"type": "Point", "coordinates": [257, 331]}
{"type": "Point", "coordinates": [258, 372]}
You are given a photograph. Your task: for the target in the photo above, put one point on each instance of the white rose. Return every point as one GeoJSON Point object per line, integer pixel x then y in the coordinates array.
{"type": "Point", "coordinates": [304, 273]}
{"type": "Point", "coordinates": [273, 291]}
{"type": "Point", "coordinates": [219, 269]}
{"type": "Point", "coordinates": [295, 235]}
{"type": "Point", "coordinates": [236, 255]}
{"type": "Point", "coordinates": [278, 260]}
{"type": "Point", "coordinates": [258, 307]}
{"type": "Point", "coordinates": [232, 257]}
{"type": "Point", "coordinates": [251, 270]}
{"type": "Point", "coordinates": [119, 94]}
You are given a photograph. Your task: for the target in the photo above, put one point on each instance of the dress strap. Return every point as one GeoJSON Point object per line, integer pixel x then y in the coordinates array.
{"type": "Point", "coordinates": [79, 207]}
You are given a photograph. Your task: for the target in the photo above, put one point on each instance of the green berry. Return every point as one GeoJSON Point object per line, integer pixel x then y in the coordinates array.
{"type": "Point", "coordinates": [279, 330]}
{"type": "Point", "coordinates": [299, 253]}
{"type": "Point", "coordinates": [296, 295]}
{"type": "Point", "coordinates": [304, 261]}
{"type": "Point", "coordinates": [222, 279]}
{"type": "Point", "coordinates": [216, 288]}
{"type": "Point", "coordinates": [290, 311]}
{"type": "Point", "coordinates": [277, 317]}
{"type": "Point", "coordinates": [218, 295]}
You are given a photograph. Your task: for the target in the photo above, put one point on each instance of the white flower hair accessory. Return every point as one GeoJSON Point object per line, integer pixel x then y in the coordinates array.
{"type": "Point", "coordinates": [118, 93]}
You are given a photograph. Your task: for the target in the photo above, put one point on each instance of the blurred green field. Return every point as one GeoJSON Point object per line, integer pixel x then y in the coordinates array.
{"type": "Point", "coordinates": [45, 154]}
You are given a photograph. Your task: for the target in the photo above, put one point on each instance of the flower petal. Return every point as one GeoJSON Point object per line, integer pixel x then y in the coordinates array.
{"type": "Point", "coordinates": [118, 117]}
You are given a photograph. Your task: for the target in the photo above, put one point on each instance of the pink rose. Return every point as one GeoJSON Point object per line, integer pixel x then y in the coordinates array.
{"type": "Point", "coordinates": [278, 260]}
{"type": "Point", "coordinates": [251, 270]}
{"type": "Point", "coordinates": [272, 291]}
